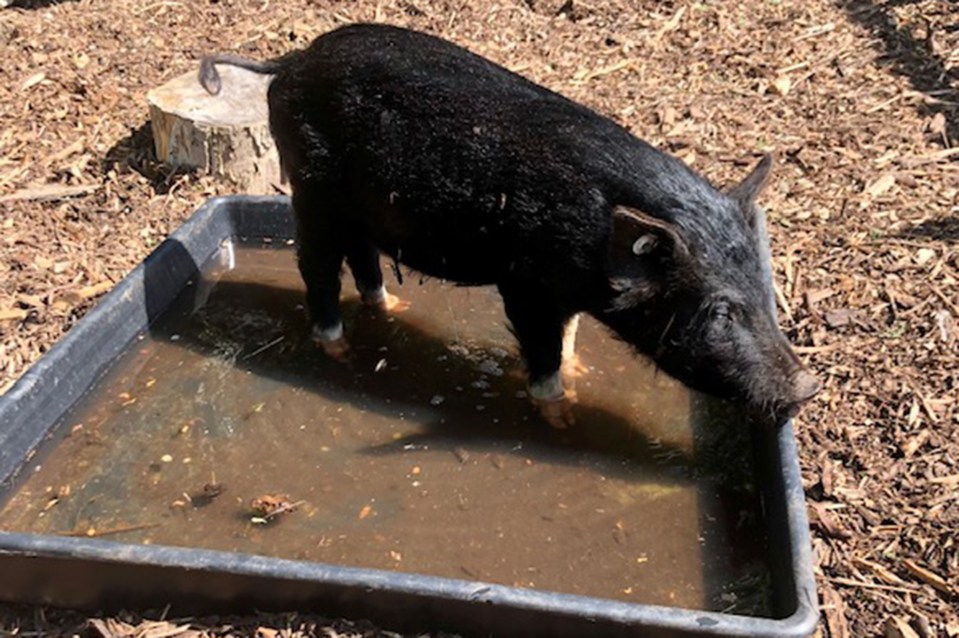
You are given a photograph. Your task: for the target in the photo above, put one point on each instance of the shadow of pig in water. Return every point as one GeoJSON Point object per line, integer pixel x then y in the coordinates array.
{"type": "Point", "coordinates": [452, 372]}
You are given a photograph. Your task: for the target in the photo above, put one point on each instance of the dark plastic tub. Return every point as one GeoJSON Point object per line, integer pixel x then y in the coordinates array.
{"type": "Point", "coordinates": [92, 573]}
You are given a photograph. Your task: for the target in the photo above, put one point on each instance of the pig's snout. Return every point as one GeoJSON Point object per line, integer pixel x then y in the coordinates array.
{"type": "Point", "coordinates": [804, 387]}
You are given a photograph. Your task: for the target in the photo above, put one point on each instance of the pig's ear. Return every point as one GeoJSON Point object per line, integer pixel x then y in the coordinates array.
{"type": "Point", "coordinates": [638, 246]}
{"type": "Point", "coordinates": [636, 235]}
{"type": "Point", "coordinates": [746, 192]}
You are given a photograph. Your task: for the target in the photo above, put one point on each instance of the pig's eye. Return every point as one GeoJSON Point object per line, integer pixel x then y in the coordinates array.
{"type": "Point", "coordinates": [722, 312]}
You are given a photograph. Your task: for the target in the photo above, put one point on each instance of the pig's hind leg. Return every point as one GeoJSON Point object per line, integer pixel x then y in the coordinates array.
{"type": "Point", "coordinates": [539, 325]}
{"type": "Point", "coordinates": [320, 259]}
{"type": "Point", "coordinates": [573, 366]}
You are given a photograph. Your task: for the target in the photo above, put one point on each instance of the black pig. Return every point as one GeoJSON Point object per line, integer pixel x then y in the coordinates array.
{"type": "Point", "coordinates": [404, 143]}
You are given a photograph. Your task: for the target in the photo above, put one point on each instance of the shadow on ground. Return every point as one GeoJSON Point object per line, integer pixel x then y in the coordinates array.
{"type": "Point", "coordinates": [940, 229]}
{"type": "Point", "coordinates": [134, 154]}
{"type": "Point", "coordinates": [913, 56]}
{"type": "Point", "coordinates": [37, 4]}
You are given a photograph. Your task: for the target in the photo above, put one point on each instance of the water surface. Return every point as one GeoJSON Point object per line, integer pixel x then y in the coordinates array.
{"type": "Point", "coordinates": [422, 455]}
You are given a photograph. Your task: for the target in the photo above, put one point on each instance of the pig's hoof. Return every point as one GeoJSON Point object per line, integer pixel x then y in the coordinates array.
{"type": "Point", "coordinates": [392, 303]}
{"type": "Point", "coordinates": [336, 349]}
{"type": "Point", "coordinates": [386, 302]}
{"type": "Point", "coordinates": [557, 412]}
{"type": "Point", "coordinates": [332, 341]}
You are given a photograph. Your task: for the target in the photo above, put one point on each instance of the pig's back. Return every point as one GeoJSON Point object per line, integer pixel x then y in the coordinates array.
{"type": "Point", "coordinates": [466, 169]}
{"type": "Point", "coordinates": [378, 56]}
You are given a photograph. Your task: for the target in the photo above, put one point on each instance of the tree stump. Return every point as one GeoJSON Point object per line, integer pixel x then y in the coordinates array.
{"type": "Point", "coordinates": [227, 135]}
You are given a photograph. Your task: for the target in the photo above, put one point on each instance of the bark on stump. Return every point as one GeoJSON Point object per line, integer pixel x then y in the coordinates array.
{"type": "Point", "coordinates": [227, 135]}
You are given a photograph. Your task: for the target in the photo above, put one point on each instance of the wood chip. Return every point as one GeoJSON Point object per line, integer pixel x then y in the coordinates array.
{"type": "Point", "coordinates": [813, 297]}
{"type": "Point", "coordinates": [881, 572]}
{"type": "Point", "coordinates": [927, 576]}
{"type": "Point", "coordinates": [881, 185]}
{"type": "Point", "coordinates": [781, 85]}
{"type": "Point", "coordinates": [839, 318]}
{"type": "Point", "coordinates": [937, 126]}
{"type": "Point", "coordinates": [49, 192]}
{"type": "Point", "coordinates": [111, 628]}
{"type": "Point", "coordinates": [97, 289]}
{"type": "Point", "coordinates": [835, 611]}
{"type": "Point", "coordinates": [13, 314]}
{"type": "Point", "coordinates": [33, 80]}
{"type": "Point", "coordinates": [821, 517]}
{"type": "Point", "coordinates": [73, 148]}
{"type": "Point", "coordinates": [898, 628]}
{"type": "Point", "coordinates": [162, 630]}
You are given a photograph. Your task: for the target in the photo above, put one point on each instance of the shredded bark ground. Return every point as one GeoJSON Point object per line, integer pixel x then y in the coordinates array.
{"type": "Point", "coordinates": [859, 98]}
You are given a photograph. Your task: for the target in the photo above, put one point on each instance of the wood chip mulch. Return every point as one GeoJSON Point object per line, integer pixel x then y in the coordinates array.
{"type": "Point", "coordinates": [28, 623]}
{"type": "Point", "coordinates": [860, 99]}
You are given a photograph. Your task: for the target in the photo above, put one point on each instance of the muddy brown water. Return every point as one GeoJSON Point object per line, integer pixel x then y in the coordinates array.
{"type": "Point", "coordinates": [422, 455]}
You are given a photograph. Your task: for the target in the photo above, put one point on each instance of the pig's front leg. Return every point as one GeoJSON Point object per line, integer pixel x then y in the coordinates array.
{"type": "Point", "coordinates": [381, 299]}
{"type": "Point", "coordinates": [538, 324]}
{"type": "Point", "coordinates": [364, 261]}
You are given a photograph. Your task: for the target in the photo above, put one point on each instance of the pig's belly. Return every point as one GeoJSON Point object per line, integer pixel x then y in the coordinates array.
{"type": "Point", "coordinates": [459, 242]}
{"type": "Point", "coordinates": [472, 264]}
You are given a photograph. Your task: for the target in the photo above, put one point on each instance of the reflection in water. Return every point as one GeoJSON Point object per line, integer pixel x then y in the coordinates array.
{"type": "Point", "coordinates": [422, 455]}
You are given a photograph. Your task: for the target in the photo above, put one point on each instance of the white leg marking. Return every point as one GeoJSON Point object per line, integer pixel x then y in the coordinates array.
{"type": "Point", "coordinates": [569, 338]}
{"type": "Point", "coordinates": [330, 334]}
{"type": "Point", "coordinates": [374, 297]}
{"type": "Point", "coordinates": [549, 389]}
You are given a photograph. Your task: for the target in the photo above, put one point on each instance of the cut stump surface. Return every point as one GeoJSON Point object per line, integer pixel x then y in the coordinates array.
{"type": "Point", "coordinates": [227, 135]}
